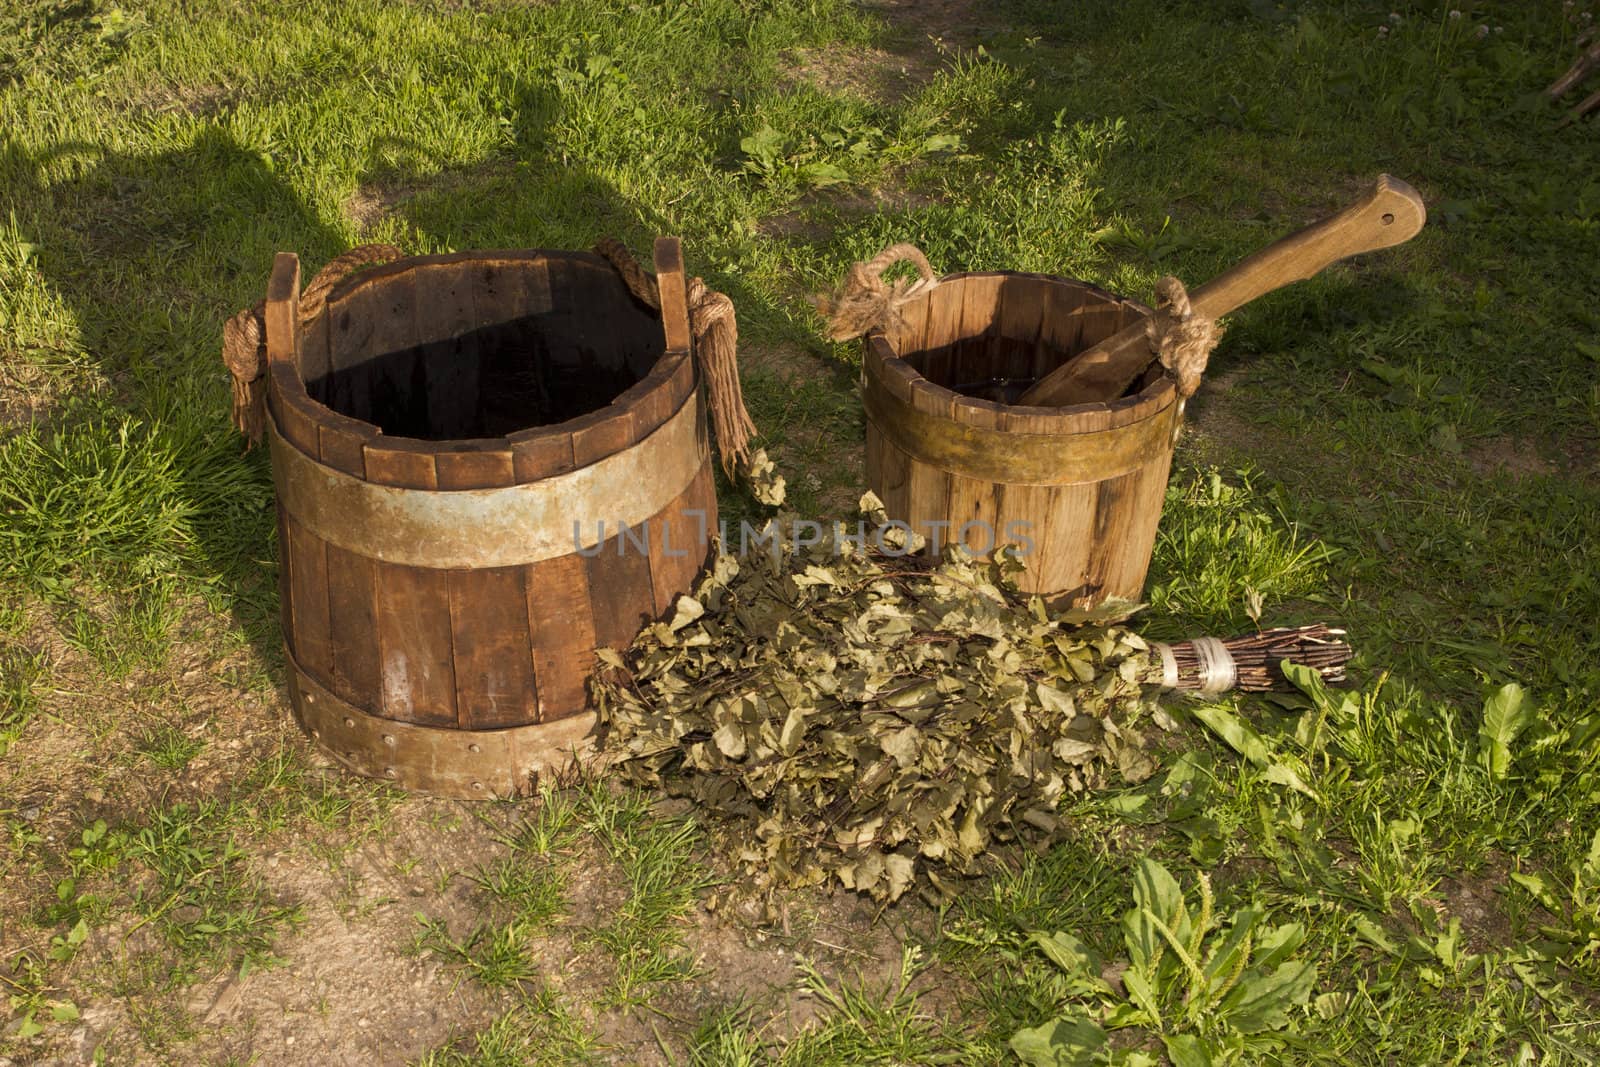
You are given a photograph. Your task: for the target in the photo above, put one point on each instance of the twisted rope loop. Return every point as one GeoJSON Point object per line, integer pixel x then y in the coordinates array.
{"type": "Point", "coordinates": [715, 330]}
{"type": "Point", "coordinates": [1182, 339]}
{"type": "Point", "coordinates": [244, 337]}
{"type": "Point", "coordinates": [865, 302]}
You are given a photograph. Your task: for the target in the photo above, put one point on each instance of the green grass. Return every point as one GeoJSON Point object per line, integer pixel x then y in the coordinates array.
{"type": "Point", "coordinates": [541, 1031]}
{"type": "Point", "coordinates": [655, 859]}
{"type": "Point", "coordinates": [1405, 445]}
{"type": "Point", "coordinates": [1225, 552]}
{"type": "Point", "coordinates": [203, 899]}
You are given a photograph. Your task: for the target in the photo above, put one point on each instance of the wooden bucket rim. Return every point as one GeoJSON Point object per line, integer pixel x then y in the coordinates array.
{"type": "Point", "coordinates": [290, 387]}
{"type": "Point", "coordinates": [1068, 419]}
{"type": "Point", "coordinates": [900, 378]}
{"type": "Point", "coordinates": [449, 259]}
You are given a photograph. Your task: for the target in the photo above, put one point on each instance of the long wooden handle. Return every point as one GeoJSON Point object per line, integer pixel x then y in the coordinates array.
{"type": "Point", "coordinates": [1390, 214]}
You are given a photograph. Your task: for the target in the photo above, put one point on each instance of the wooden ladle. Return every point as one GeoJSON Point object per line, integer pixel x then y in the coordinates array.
{"type": "Point", "coordinates": [1389, 215]}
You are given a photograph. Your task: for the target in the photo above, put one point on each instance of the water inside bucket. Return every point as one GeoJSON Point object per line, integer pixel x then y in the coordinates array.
{"type": "Point", "coordinates": [1000, 390]}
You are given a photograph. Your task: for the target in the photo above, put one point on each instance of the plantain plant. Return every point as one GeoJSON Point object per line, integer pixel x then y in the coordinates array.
{"type": "Point", "coordinates": [1213, 992]}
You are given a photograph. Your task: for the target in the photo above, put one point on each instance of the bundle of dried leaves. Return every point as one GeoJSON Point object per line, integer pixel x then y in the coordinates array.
{"type": "Point", "coordinates": [838, 711]}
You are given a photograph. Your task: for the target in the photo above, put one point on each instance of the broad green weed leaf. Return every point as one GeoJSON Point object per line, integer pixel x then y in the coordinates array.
{"type": "Point", "coordinates": [1539, 889]}
{"type": "Point", "coordinates": [1505, 715]}
{"type": "Point", "coordinates": [1187, 1050]}
{"type": "Point", "coordinates": [1127, 803]}
{"type": "Point", "coordinates": [822, 174]}
{"type": "Point", "coordinates": [1331, 1005]}
{"type": "Point", "coordinates": [1155, 893]}
{"type": "Point", "coordinates": [1308, 680]}
{"type": "Point", "coordinates": [1282, 774]}
{"type": "Point", "coordinates": [1278, 944]}
{"type": "Point", "coordinates": [1156, 889]}
{"type": "Point", "coordinates": [1068, 1041]}
{"type": "Point", "coordinates": [1077, 962]}
{"type": "Point", "coordinates": [763, 145]}
{"type": "Point", "coordinates": [1066, 952]}
{"type": "Point", "coordinates": [1142, 993]}
{"type": "Point", "coordinates": [1249, 744]}
{"type": "Point", "coordinates": [1225, 959]}
{"type": "Point", "coordinates": [1132, 1057]}
{"type": "Point", "coordinates": [1261, 1002]}
{"type": "Point", "coordinates": [1123, 1014]}
{"type": "Point", "coordinates": [1591, 864]}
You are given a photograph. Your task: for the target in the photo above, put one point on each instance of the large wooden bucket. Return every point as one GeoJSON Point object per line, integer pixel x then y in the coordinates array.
{"type": "Point", "coordinates": [1078, 489]}
{"type": "Point", "coordinates": [448, 437]}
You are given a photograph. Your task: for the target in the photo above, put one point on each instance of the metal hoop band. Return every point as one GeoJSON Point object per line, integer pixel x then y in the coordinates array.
{"type": "Point", "coordinates": [506, 526]}
{"type": "Point", "coordinates": [464, 764]}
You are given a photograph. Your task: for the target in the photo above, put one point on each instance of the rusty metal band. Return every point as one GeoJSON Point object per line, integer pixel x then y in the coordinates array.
{"type": "Point", "coordinates": [505, 526]}
{"type": "Point", "coordinates": [1014, 458]}
{"type": "Point", "coordinates": [465, 764]}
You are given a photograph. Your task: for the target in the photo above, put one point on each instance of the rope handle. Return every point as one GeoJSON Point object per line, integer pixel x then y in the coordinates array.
{"type": "Point", "coordinates": [714, 332]}
{"type": "Point", "coordinates": [865, 302]}
{"type": "Point", "coordinates": [337, 270]}
{"type": "Point", "coordinates": [244, 336]}
{"type": "Point", "coordinates": [1183, 339]}
{"type": "Point", "coordinates": [903, 251]}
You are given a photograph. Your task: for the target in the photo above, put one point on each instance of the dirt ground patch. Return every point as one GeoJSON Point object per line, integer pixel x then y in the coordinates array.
{"type": "Point", "coordinates": [348, 979]}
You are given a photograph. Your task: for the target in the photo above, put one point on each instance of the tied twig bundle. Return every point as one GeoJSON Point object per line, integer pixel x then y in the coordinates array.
{"type": "Point", "coordinates": [1252, 663]}
{"type": "Point", "coordinates": [244, 336]}
{"type": "Point", "coordinates": [1588, 62]}
{"type": "Point", "coordinates": [1182, 340]}
{"type": "Point", "coordinates": [865, 302]}
{"type": "Point", "coordinates": [715, 330]}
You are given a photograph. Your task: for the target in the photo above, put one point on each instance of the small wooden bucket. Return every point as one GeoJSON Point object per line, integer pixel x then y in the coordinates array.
{"type": "Point", "coordinates": [1078, 489]}
{"type": "Point", "coordinates": [487, 465]}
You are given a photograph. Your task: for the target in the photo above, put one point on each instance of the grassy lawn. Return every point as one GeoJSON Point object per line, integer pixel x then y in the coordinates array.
{"type": "Point", "coordinates": [1407, 445]}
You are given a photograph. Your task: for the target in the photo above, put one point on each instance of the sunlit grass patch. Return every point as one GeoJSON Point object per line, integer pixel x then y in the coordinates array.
{"type": "Point", "coordinates": [663, 875]}
{"type": "Point", "coordinates": [1225, 552]}
{"type": "Point", "coordinates": [865, 1025]}
{"type": "Point", "coordinates": [204, 900]}
{"type": "Point", "coordinates": [495, 955]}
{"type": "Point", "coordinates": [541, 1031]}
